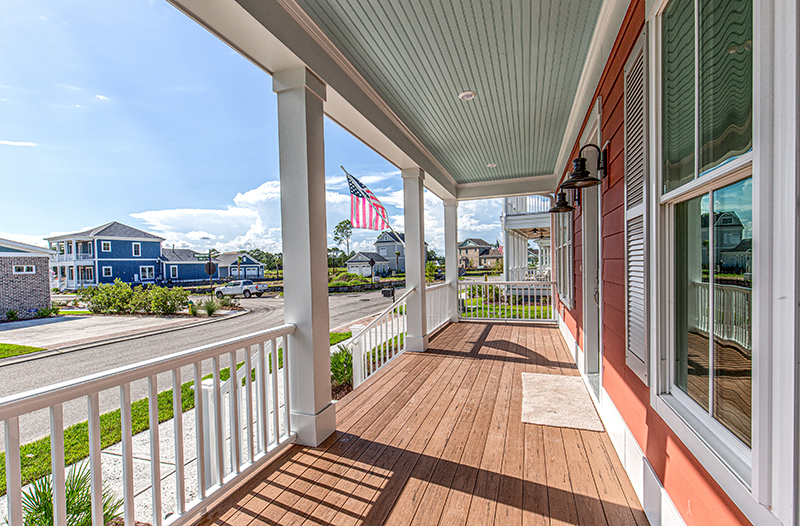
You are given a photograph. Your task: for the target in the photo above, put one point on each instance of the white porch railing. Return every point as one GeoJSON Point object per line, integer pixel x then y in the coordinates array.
{"type": "Point", "coordinates": [380, 341]}
{"type": "Point", "coordinates": [436, 306]}
{"type": "Point", "coordinates": [532, 204]}
{"type": "Point", "coordinates": [266, 431]}
{"type": "Point", "coordinates": [507, 300]}
{"type": "Point", "coordinates": [732, 312]}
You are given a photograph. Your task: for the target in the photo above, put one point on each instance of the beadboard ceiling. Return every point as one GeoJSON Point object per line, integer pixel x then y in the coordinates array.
{"type": "Point", "coordinates": [523, 58]}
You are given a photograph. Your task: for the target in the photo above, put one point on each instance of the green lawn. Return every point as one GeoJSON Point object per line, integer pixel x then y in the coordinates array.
{"type": "Point", "coordinates": [338, 337]}
{"type": "Point", "coordinates": [477, 308]}
{"type": "Point", "coordinates": [75, 312]}
{"type": "Point", "coordinates": [8, 350]}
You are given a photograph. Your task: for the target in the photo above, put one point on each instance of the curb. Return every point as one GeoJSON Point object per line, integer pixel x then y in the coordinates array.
{"type": "Point", "coordinates": [79, 347]}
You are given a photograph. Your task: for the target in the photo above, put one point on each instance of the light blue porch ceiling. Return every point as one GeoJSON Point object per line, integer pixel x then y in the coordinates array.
{"type": "Point", "coordinates": [523, 58]}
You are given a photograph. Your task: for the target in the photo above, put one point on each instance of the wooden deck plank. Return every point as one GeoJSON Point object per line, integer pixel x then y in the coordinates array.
{"type": "Point", "coordinates": [587, 501]}
{"type": "Point", "coordinates": [510, 501]}
{"type": "Point", "coordinates": [487, 484]}
{"type": "Point", "coordinates": [463, 485]}
{"type": "Point", "coordinates": [437, 438]}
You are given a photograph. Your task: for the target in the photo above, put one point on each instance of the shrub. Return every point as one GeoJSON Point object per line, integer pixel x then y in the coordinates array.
{"type": "Point", "coordinates": [11, 315]}
{"type": "Point", "coordinates": [120, 298]}
{"type": "Point", "coordinates": [228, 301]}
{"type": "Point", "coordinates": [338, 284]}
{"type": "Point", "coordinates": [210, 306]}
{"type": "Point", "coordinates": [342, 366]}
{"type": "Point", "coordinates": [168, 301]}
{"type": "Point", "coordinates": [37, 500]}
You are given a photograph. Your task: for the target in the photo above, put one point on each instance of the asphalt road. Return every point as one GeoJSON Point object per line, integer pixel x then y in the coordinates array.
{"type": "Point", "coordinates": [264, 314]}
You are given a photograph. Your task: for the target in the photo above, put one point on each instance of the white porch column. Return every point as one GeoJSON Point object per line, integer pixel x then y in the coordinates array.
{"type": "Point", "coordinates": [414, 212]}
{"type": "Point", "coordinates": [451, 255]}
{"type": "Point", "coordinates": [506, 248]}
{"type": "Point", "coordinates": [305, 254]}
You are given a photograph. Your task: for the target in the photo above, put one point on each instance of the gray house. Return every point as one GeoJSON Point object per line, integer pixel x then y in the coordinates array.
{"type": "Point", "coordinates": [24, 279]}
{"type": "Point", "coordinates": [230, 266]}
{"type": "Point", "coordinates": [389, 245]}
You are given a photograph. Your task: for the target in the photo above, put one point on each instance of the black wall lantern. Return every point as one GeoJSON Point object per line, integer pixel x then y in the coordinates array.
{"type": "Point", "coordinates": [562, 206]}
{"type": "Point", "coordinates": [580, 178]}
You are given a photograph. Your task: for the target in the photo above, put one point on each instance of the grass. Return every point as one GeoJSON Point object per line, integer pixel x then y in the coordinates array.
{"type": "Point", "coordinates": [75, 312]}
{"type": "Point", "coordinates": [338, 337]}
{"type": "Point", "coordinates": [7, 350]}
{"type": "Point", "coordinates": [478, 309]}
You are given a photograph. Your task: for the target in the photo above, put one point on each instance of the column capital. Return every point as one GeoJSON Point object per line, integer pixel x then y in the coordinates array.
{"type": "Point", "coordinates": [450, 202]}
{"type": "Point", "coordinates": [412, 173]}
{"type": "Point", "coordinates": [290, 79]}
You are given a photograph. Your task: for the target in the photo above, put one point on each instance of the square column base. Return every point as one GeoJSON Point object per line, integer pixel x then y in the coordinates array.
{"type": "Point", "coordinates": [312, 430]}
{"type": "Point", "coordinates": [416, 343]}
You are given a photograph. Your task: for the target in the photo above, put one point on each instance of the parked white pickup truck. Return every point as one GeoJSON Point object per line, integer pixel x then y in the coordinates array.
{"type": "Point", "coordinates": [244, 288]}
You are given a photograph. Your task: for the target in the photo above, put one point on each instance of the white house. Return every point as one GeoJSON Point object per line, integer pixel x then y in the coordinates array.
{"type": "Point", "coordinates": [359, 264]}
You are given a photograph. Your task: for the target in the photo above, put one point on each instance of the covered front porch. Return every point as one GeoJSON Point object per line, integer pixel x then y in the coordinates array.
{"type": "Point", "coordinates": [437, 438]}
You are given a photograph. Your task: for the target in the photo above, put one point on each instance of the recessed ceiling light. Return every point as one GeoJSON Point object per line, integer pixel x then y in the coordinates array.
{"type": "Point", "coordinates": [491, 165]}
{"type": "Point", "coordinates": [467, 95]}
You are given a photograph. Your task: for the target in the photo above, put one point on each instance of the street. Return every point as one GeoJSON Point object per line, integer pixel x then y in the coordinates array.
{"type": "Point", "coordinates": [264, 314]}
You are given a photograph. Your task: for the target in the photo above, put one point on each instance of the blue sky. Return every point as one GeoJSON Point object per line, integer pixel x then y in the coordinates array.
{"type": "Point", "coordinates": [130, 111]}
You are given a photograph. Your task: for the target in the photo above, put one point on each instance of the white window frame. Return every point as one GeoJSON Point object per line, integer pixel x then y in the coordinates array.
{"type": "Point", "coordinates": [769, 495]}
{"type": "Point", "coordinates": [110, 272]}
{"type": "Point", "coordinates": [147, 272]}
{"type": "Point", "coordinates": [134, 247]}
{"type": "Point", "coordinates": [173, 271]}
{"type": "Point", "coordinates": [564, 255]}
{"type": "Point", "coordinates": [24, 269]}
{"type": "Point", "coordinates": [105, 246]}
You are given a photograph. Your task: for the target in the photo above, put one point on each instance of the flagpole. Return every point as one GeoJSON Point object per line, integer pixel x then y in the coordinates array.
{"type": "Point", "coordinates": [401, 240]}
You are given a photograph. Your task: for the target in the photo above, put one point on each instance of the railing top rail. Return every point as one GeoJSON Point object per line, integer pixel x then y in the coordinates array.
{"type": "Point", "coordinates": [47, 396]}
{"type": "Point", "coordinates": [526, 283]}
{"type": "Point", "coordinates": [436, 287]}
{"type": "Point", "coordinates": [384, 313]}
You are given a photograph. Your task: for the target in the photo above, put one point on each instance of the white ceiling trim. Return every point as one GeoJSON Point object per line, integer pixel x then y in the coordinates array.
{"type": "Point", "coordinates": [540, 185]}
{"type": "Point", "coordinates": [609, 23]}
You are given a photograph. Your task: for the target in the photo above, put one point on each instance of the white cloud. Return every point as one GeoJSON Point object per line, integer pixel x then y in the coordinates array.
{"type": "Point", "coordinates": [14, 143]}
{"type": "Point", "coordinates": [101, 97]}
{"type": "Point", "coordinates": [34, 240]}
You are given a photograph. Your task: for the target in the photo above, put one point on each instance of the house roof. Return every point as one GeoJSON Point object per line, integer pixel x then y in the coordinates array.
{"type": "Point", "coordinates": [745, 245]}
{"type": "Point", "coordinates": [176, 255]}
{"type": "Point", "coordinates": [719, 219]}
{"type": "Point", "coordinates": [114, 229]}
{"type": "Point", "coordinates": [475, 241]}
{"type": "Point", "coordinates": [396, 238]}
{"type": "Point", "coordinates": [227, 259]}
{"type": "Point", "coordinates": [364, 257]}
{"type": "Point", "coordinates": [15, 247]}
{"type": "Point", "coordinates": [491, 253]}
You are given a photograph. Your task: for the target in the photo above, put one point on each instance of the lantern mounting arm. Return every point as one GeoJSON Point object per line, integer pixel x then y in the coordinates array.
{"type": "Point", "coordinates": [602, 157]}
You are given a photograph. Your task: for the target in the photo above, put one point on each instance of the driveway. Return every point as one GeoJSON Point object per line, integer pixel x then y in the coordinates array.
{"type": "Point", "coordinates": [264, 313]}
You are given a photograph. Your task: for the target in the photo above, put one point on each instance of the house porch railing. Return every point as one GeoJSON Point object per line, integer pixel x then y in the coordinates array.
{"type": "Point", "coordinates": [507, 301]}
{"type": "Point", "coordinates": [381, 341]}
{"type": "Point", "coordinates": [254, 437]}
{"type": "Point", "coordinates": [732, 312]}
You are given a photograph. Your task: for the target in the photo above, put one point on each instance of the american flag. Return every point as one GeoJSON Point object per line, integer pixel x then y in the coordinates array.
{"type": "Point", "coordinates": [365, 209]}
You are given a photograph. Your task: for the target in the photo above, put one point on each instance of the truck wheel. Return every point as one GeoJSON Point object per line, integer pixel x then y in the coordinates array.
{"type": "Point", "coordinates": [246, 294]}
{"type": "Point", "coordinates": [219, 295]}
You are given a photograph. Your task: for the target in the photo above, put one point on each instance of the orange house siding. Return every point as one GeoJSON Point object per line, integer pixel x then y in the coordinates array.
{"type": "Point", "coordinates": [696, 495]}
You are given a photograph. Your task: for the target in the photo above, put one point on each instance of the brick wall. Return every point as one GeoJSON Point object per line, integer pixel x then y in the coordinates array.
{"type": "Point", "coordinates": [22, 292]}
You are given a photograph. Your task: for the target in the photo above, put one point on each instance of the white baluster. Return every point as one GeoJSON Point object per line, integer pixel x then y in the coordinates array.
{"type": "Point", "coordinates": [13, 471]}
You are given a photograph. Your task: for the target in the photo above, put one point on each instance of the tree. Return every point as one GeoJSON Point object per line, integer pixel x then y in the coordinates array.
{"type": "Point", "coordinates": [397, 260]}
{"type": "Point", "coordinates": [433, 257]}
{"type": "Point", "coordinates": [343, 232]}
{"type": "Point", "coordinates": [336, 258]}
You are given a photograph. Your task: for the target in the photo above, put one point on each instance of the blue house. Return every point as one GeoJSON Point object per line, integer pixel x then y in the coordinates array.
{"type": "Point", "coordinates": [102, 254]}
{"type": "Point", "coordinates": [180, 265]}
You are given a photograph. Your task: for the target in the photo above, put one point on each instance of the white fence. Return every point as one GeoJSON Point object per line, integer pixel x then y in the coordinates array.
{"type": "Point", "coordinates": [507, 300]}
{"type": "Point", "coordinates": [732, 312]}
{"type": "Point", "coordinates": [437, 306]}
{"type": "Point", "coordinates": [380, 341]}
{"type": "Point", "coordinates": [255, 437]}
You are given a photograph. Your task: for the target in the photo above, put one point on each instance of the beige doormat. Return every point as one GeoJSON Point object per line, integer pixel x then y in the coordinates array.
{"type": "Point", "coordinates": [558, 401]}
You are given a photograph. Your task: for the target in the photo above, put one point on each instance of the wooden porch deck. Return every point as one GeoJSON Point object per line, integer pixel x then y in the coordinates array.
{"type": "Point", "coordinates": [437, 438]}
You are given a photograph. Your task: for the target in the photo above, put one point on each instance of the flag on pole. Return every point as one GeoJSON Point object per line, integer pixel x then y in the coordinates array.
{"type": "Point", "coordinates": [366, 211]}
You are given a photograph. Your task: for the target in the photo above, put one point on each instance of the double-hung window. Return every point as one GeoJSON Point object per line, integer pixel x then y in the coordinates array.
{"type": "Point", "coordinates": [706, 201]}
{"type": "Point", "coordinates": [137, 249]}
{"type": "Point", "coordinates": [564, 257]}
{"type": "Point", "coordinates": [146, 273]}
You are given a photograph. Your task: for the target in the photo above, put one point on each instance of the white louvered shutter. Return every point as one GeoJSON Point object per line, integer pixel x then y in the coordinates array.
{"type": "Point", "coordinates": [636, 177]}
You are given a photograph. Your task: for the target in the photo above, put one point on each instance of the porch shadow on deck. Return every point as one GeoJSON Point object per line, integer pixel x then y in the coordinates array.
{"type": "Point", "coordinates": [437, 438]}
